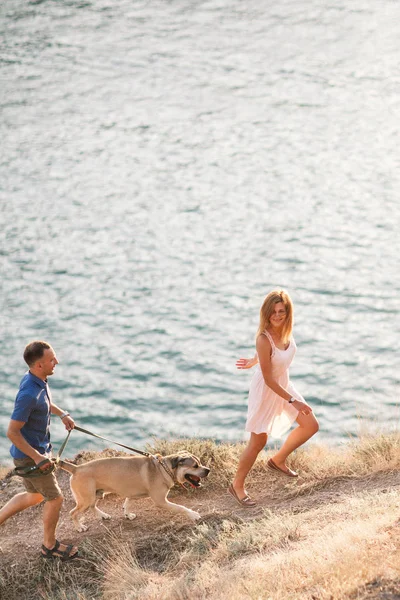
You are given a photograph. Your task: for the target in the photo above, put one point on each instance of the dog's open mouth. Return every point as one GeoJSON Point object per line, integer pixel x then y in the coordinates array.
{"type": "Point", "coordinates": [193, 480]}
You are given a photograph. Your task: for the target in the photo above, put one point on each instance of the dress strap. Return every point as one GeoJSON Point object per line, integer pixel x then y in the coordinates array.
{"type": "Point", "coordinates": [269, 336]}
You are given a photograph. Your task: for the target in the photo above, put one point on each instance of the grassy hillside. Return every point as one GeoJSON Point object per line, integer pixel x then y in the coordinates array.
{"type": "Point", "coordinates": [334, 533]}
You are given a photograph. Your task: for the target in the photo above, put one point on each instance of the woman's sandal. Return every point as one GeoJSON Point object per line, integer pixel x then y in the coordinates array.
{"type": "Point", "coordinates": [245, 502]}
{"type": "Point", "coordinates": [54, 553]}
{"type": "Point", "coordinates": [274, 467]}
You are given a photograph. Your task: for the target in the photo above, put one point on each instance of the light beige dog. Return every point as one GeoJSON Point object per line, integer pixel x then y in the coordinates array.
{"type": "Point", "coordinates": [132, 477]}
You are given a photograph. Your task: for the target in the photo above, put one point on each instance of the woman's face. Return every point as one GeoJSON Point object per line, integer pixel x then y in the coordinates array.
{"type": "Point", "coordinates": [278, 317]}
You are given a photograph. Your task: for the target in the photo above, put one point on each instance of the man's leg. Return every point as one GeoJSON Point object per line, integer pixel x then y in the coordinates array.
{"type": "Point", "coordinates": [51, 515]}
{"type": "Point", "coordinates": [19, 502]}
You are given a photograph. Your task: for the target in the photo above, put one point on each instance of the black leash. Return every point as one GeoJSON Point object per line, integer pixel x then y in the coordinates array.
{"type": "Point", "coordinates": [34, 471]}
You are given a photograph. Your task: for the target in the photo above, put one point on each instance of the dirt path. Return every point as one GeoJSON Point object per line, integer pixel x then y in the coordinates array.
{"type": "Point", "coordinates": [20, 537]}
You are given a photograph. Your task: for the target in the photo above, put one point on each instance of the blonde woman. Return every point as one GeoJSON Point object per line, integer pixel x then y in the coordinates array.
{"type": "Point", "coordinates": [274, 402]}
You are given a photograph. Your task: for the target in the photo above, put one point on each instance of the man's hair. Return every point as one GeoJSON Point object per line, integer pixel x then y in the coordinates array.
{"type": "Point", "coordinates": [34, 351]}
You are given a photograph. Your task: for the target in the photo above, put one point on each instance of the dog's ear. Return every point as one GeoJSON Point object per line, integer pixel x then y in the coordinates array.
{"type": "Point", "coordinates": [179, 459]}
{"type": "Point", "coordinates": [175, 461]}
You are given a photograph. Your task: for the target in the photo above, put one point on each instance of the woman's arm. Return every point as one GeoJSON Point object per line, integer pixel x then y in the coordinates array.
{"type": "Point", "coordinates": [264, 351]}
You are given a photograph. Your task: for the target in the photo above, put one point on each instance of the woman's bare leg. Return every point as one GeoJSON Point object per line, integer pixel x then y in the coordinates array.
{"type": "Point", "coordinates": [255, 444]}
{"type": "Point", "coordinates": [308, 426]}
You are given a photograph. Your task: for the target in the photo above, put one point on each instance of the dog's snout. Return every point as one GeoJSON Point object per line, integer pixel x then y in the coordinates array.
{"type": "Point", "coordinates": [206, 471]}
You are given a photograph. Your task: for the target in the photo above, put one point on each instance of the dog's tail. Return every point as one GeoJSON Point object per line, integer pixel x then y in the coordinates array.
{"type": "Point", "coordinates": [67, 466]}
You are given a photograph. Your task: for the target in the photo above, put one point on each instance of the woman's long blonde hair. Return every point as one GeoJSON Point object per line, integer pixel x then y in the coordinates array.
{"type": "Point", "coordinates": [267, 309]}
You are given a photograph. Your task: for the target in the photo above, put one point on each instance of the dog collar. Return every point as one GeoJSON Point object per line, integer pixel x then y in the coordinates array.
{"type": "Point", "coordinates": [161, 462]}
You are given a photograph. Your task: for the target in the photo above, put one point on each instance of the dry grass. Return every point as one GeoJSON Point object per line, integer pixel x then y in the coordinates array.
{"type": "Point", "coordinates": [314, 461]}
{"type": "Point", "coordinates": [329, 552]}
{"type": "Point", "coordinates": [3, 471]}
{"type": "Point", "coordinates": [33, 577]}
{"type": "Point", "coordinates": [335, 534]}
{"type": "Point", "coordinates": [326, 554]}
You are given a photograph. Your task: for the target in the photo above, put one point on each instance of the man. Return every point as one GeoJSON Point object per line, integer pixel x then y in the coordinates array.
{"type": "Point", "coordinates": [29, 433]}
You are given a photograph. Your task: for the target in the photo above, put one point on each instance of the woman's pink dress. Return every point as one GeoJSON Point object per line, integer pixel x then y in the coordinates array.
{"type": "Point", "coordinates": [268, 412]}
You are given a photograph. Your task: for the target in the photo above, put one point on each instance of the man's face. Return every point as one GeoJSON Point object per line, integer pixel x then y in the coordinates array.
{"type": "Point", "coordinates": [48, 362]}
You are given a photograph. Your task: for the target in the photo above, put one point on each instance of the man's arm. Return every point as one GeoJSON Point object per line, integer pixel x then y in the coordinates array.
{"type": "Point", "coordinates": [64, 416]}
{"type": "Point", "coordinates": [14, 434]}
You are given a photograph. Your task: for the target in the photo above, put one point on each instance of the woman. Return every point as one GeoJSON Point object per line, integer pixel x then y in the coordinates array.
{"type": "Point", "coordinates": [274, 403]}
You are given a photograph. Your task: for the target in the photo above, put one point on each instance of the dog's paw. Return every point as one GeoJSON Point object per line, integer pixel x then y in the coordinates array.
{"type": "Point", "coordinates": [130, 516]}
{"type": "Point", "coordinates": [81, 528]}
{"type": "Point", "coordinates": [105, 516]}
{"type": "Point", "coordinates": [193, 515]}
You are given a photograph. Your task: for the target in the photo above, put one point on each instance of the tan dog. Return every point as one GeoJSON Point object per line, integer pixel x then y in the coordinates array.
{"type": "Point", "coordinates": [132, 477]}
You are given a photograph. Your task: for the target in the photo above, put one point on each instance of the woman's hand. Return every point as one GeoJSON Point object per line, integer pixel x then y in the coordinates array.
{"type": "Point", "coordinates": [245, 363]}
{"type": "Point", "coordinates": [302, 407]}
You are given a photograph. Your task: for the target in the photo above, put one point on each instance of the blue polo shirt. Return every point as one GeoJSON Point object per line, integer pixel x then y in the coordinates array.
{"type": "Point", "coordinates": [32, 405]}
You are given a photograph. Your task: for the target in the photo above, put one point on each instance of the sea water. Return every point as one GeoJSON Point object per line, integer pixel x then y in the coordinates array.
{"type": "Point", "coordinates": [166, 163]}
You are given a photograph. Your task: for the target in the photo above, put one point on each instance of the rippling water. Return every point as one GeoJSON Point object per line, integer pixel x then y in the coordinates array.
{"type": "Point", "coordinates": [164, 164]}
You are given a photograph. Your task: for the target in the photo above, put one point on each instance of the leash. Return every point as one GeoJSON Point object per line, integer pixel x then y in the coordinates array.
{"type": "Point", "coordinates": [157, 457]}
{"type": "Point", "coordinates": [35, 470]}
{"type": "Point", "coordinates": [112, 441]}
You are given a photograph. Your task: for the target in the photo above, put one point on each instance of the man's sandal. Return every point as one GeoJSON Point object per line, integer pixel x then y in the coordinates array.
{"type": "Point", "coordinates": [245, 502]}
{"type": "Point", "coordinates": [54, 553]}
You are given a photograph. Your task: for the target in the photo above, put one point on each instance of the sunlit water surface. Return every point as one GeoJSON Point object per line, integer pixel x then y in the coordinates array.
{"type": "Point", "coordinates": [164, 164]}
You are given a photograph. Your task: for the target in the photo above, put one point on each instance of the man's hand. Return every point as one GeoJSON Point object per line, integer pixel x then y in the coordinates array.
{"type": "Point", "coordinates": [68, 422]}
{"type": "Point", "coordinates": [45, 465]}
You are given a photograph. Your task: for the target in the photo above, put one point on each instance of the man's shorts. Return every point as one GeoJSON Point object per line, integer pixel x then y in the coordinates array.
{"type": "Point", "coordinates": [46, 485]}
